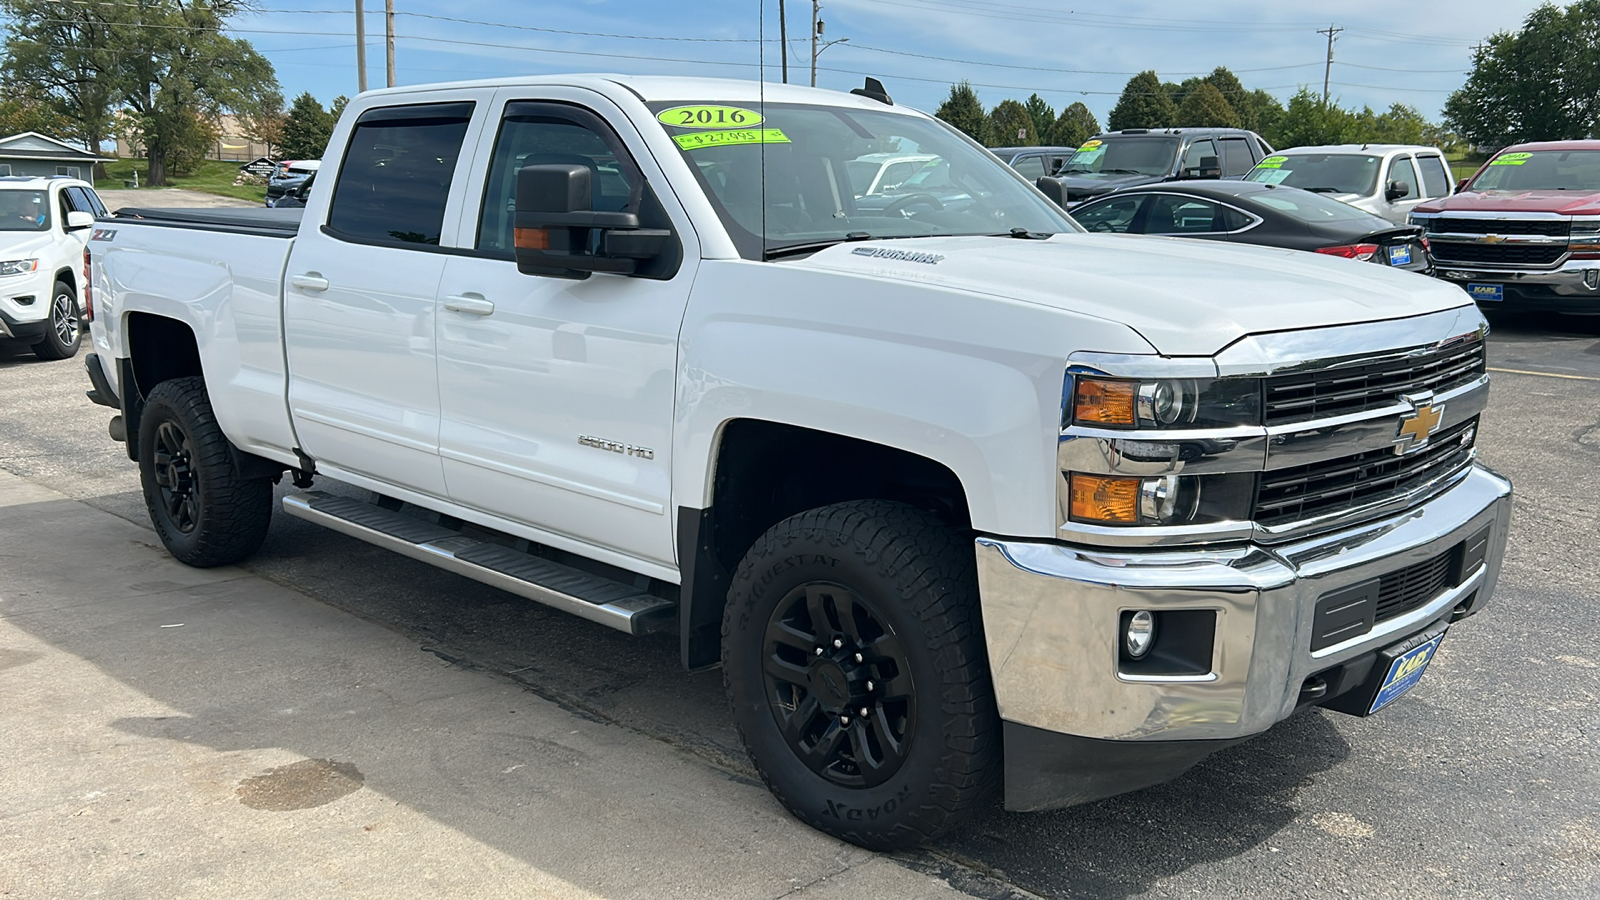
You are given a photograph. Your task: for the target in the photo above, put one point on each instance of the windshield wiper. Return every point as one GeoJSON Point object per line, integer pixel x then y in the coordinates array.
{"type": "Point", "coordinates": [1121, 172]}
{"type": "Point", "coordinates": [1023, 234]}
{"type": "Point", "coordinates": [813, 246]}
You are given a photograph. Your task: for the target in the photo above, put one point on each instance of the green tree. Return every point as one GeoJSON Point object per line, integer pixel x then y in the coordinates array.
{"type": "Point", "coordinates": [1143, 104]}
{"type": "Point", "coordinates": [1268, 114]}
{"type": "Point", "coordinates": [1307, 121]}
{"type": "Point", "coordinates": [1227, 84]}
{"type": "Point", "coordinates": [963, 111]}
{"type": "Point", "coordinates": [1042, 113]}
{"type": "Point", "coordinates": [1540, 83]}
{"type": "Point", "coordinates": [22, 112]}
{"type": "Point", "coordinates": [336, 108]}
{"type": "Point", "coordinates": [1011, 126]}
{"type": "Point", "coordinates": [306, 129]}
{"type": "Point", "coordinates": [66, 53]}
{"type": "Point", "coordinates": [1075, 125]}
{"type": "Point", "coordinates": [1402, 124]}
{"type": "Point", "coordinates": [1204, 107]}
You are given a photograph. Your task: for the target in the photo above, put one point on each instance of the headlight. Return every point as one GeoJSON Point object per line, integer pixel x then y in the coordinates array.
{"type": "Point", "coordinates": [18, 266]}
{"type": "Point", "coordinates": [1161, 500]}
{"type": "Point", "coordinates": [1164, 403]}
{"type": "Point", "coordinates": [1585, 239]}
{"type": "Point", "coordinates": [1423, 222]}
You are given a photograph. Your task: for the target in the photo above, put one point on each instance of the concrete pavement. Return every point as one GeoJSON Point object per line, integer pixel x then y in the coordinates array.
{"type": "Point", "coordinates": [158, 198]}
{"type": "Point", "coordinates": [173, 732]}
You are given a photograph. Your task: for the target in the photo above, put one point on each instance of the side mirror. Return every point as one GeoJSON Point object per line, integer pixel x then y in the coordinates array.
{"type": "Point", "coordinates": [1396, 191]}
{"type": "Point", "coordinates": [559, 234]}
{"type": "Point", "coordinates": [1210, 167]}
{"type": "Point", "coordinates": [1052, 188]}
{"type": "Point", "coordinates": [77, 221]}
{"type": "Point", "coordinates": [1460, 184]}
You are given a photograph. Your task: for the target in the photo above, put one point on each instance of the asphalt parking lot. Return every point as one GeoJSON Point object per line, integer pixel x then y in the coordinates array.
{"type": "Point", "coordinates": [1480, 783]}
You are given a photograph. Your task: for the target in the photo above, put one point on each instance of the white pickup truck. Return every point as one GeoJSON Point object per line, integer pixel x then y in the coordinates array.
{"type": "Point", "coordinates": [958, 495]}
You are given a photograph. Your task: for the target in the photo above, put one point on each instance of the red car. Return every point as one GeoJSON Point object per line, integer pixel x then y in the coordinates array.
{"type": "Point", "coordinates": [1524, 231]}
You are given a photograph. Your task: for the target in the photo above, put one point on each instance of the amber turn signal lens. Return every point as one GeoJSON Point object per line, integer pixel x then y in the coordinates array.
{"type": "Point", "coordinates": [1097, 498]}
{"type": "Point", "coordinates": [1097, 402]}
{"type": "Point", "coordinates": [532, 238]}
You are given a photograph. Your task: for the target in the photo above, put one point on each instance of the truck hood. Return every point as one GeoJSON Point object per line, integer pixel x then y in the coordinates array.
{"type": "Point", "coordinates": [1569, 203]}
{"type": "Point", "coordinates": [1185, 297]}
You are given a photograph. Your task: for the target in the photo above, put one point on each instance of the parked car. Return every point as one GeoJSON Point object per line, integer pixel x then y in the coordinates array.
{"type": "Point", "coordinates": [1524, 231]}
{"type": "Point", "coordinates": [1244, 212]}
{"type": "Point", "coordinates": [963, 501]}
{"type": "Point", "coordinates": [294, 196]}
{"type": "Point", "coordinates": [278, 188]}
{"type": "Point", "coordinates": [1136, 156]}
{"type": "Point", "coordinates": [878, 173]}
{"type": "Point", "coordinates": [1386, 180]}
{"type": "Point", "coordinates": [1034, 162]}
{"type": "Point", "coordinates": [44, 225]}
{"type": "Point", "coordinates": [294, 168]}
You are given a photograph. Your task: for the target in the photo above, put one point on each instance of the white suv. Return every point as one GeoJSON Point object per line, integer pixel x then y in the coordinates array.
{"type": "Point", "coordinates": [44, 225]}
{"type": "Point", "coordinates": [1386, 180]}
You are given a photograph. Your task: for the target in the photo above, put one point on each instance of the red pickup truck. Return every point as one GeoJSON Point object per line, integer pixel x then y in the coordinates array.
{"type": "Point", "coordinates": [1524, 231]}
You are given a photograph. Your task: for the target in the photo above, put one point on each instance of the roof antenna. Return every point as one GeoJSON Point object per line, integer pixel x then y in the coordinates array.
{"type": "Point", "coordinates": [873, 90]}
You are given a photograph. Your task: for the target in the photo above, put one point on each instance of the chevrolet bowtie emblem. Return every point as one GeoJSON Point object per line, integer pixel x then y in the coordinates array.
{"type": "Point", "coordinates": [1491, 239]}
{"type": "Point", "coordinates": [1416, 426]}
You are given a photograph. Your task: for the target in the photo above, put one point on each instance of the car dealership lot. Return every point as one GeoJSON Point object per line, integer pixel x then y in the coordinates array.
{"type": "Point", "coordinates": [1479, 783]}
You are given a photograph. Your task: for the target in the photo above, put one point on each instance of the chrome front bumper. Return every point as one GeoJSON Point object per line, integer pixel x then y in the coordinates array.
{"type": "Point", "coordinates": [1051, 614]}
{"type": "Point", "coordinates": [1578, 279]}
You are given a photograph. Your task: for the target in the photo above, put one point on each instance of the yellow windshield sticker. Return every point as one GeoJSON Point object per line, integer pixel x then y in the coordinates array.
{"type": "Point", "coordinates": [709, 117]}
{"type": "Point", "coordinates": [697, 140]}
{"type": "Point", "coordinates": [1511, 159]}
{"type": "Point", "coordinates": [1272, 162]}
{"type": "Point", "coordinates": [1088, 145]}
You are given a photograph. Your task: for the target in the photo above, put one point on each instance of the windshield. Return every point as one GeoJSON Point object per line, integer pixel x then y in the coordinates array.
{"type": "Point", "coordinates": [1541, 170]}
{"type": "Point", "coordinates": [24, 211]}
{"type": "Point", "coordinates": [802, 175]}
{"type": "Point", "coordinates": [1332, 173]}
{"type": "Point", "coordinates": [1110, 156]}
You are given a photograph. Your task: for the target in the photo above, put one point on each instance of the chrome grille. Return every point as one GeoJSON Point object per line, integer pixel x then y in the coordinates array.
{"type": "Point", "coordinates": [1350, 482]}
{"type": "Point", "coordinates": [1546, 227]}
{"type": "Point", "coordinates": [1505, 254]}
{"type": "Point", "coordinates": [1332, 392]}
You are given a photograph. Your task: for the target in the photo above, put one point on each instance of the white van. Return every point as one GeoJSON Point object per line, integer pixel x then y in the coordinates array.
{"type": "Point", "coordinates": [1384, 179]}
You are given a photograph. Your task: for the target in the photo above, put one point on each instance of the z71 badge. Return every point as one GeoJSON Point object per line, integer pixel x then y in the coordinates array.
{"type": "Point", "coordinates": [104, 234]}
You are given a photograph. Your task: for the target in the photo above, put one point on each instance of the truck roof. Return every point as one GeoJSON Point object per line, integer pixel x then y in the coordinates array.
{"type": "Point", "coordinates": [663, 88]}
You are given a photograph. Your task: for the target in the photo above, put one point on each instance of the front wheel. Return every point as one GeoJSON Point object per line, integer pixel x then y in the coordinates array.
{"type": "Point", "coordinates": [854, 659]}
{"type": "Point", "coordinates": [63, 332]}
{"type": "Point", "coordinates": [204, 512]}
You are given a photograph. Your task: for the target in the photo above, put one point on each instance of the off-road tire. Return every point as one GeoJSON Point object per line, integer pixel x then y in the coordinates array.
{"type": "Point", "coordinates": [915, 576]}
{"type": "Point", "coordinates": [204, 512]}
{"type": "Point", "coordinates": [63, 333]}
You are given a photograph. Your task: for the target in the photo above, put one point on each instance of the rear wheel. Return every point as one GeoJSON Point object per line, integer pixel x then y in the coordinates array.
{"type": "Point", "coordinates": [204, 512]}
{"type": "Point", "coordinates": [854, 659]}
{"type": "Point", "coordinates": [62, 334]}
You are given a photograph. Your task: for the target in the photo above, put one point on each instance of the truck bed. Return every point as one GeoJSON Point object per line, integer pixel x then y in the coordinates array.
{"type": "Point", "coordinates": [254, 220]}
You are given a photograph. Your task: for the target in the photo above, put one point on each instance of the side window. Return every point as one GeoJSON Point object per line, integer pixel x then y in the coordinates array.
{"type": "Point", "coordinates": [1235, 157]}
{"type": "Point", "coordinates": [395, 179]}
{"type": "Point", "coordinates": [1030, 167]}
{"type": "Point", "coordinates": [896, 175]}
{"type": "Point", "coordinates": [531, 135]}
{"type": "Point", "coordinates": [63, 206]}
{"type": "Point", "coordinates": [1176, 214]}
{"type": "Point", "coordinates": [1114, 215]}
{"type": "Point", "coordinates": [1402, 171]}
{"type": "Point", "coordinates": [1435, 177]}
{"type": "Point", "coordinates": [1231, 219]}
{"type": "Point", "coordinates": [84, 200]}
{"type": "Point", "coordinates": [1194, 158]}
{"type": "Point", "coordinates": [69, 171]}
{"type": "Point", "coordinates": [5, 170]}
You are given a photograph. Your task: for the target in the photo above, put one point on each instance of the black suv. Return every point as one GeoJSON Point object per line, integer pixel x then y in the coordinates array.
{"type": "Point", "coordinates": [1134, 156]}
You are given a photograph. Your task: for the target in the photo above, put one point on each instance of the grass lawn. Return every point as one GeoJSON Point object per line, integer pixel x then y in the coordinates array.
{"type": "Point", "coordinates": [212, 177]}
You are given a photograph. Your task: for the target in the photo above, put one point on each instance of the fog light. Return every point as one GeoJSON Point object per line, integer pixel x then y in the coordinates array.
{"type": "Point", "coordinates": [1140, 634]}
{"type": "Point", "coordinates": [1591, 279]}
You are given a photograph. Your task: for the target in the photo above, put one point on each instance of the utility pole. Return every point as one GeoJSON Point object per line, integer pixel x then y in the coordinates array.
{"type": "Point", "coordinates": [361, 47]}
{"type": "Point", "coordinates": [1327, 69]}
{"type": "Point", "coordinates": [388, 37]}
{"type": "Point", "coordinates": [816, 26]}
{"type": "Point", "coordinates": [783, 41]}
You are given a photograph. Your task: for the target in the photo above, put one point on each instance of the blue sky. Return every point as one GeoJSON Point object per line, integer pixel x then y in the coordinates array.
{"type": "Point", "coordinates": [1415, 52]}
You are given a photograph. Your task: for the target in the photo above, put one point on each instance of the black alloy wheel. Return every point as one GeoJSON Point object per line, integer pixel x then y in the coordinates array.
{"type": "Point", "coordinates": [174, 477]}
{"type": "Point", "coordinates": [841, 690]}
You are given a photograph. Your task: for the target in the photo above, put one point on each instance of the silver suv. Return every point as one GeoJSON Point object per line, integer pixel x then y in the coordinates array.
{"type": "Point", "coordinates": [1384, 179]}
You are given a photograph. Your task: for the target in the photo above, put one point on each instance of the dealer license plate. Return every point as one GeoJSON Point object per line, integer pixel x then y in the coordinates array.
{"type": "Point", "coordinates": [1494, 292]}
{"type": "Point", "coordinates": [1405, 672]}
{"type": "Point", "coordinates": [1400, 256]}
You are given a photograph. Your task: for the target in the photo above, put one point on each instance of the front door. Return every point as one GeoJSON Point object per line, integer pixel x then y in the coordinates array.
{"type": "Point", "coordinates": [557, 394]}
{"type": "Point", "coordinates": [359, 298]}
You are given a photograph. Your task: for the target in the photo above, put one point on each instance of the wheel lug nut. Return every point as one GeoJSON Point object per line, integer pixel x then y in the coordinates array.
{"type": "Point", "coordinates": [870, 685]}
{"type": "Point", "coordinates": [838, 644]}
{"type": "Point", "coordinates": [819, 651]}
{"type": "Point", "coordinates": [864, 712]}
{"type": "Point", "coordinates": [860, 658]}
{"type": "Point", "coordinates": [844, 720]}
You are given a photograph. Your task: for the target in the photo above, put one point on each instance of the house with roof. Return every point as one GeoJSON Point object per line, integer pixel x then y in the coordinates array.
{"type": "Point", "coordinates": [31, 153]}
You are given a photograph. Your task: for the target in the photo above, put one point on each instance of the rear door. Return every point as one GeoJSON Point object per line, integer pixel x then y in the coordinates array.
{"type": "Point", "coordinates": [360, 294]}
{"type": "Point", "coordinates": [557, 394]}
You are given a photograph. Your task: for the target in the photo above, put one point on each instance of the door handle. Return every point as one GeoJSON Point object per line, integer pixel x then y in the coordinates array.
{"type": "Point", "coordinates": [470, 304]}
{"type": "Point", "coordinates": [311, 282]}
